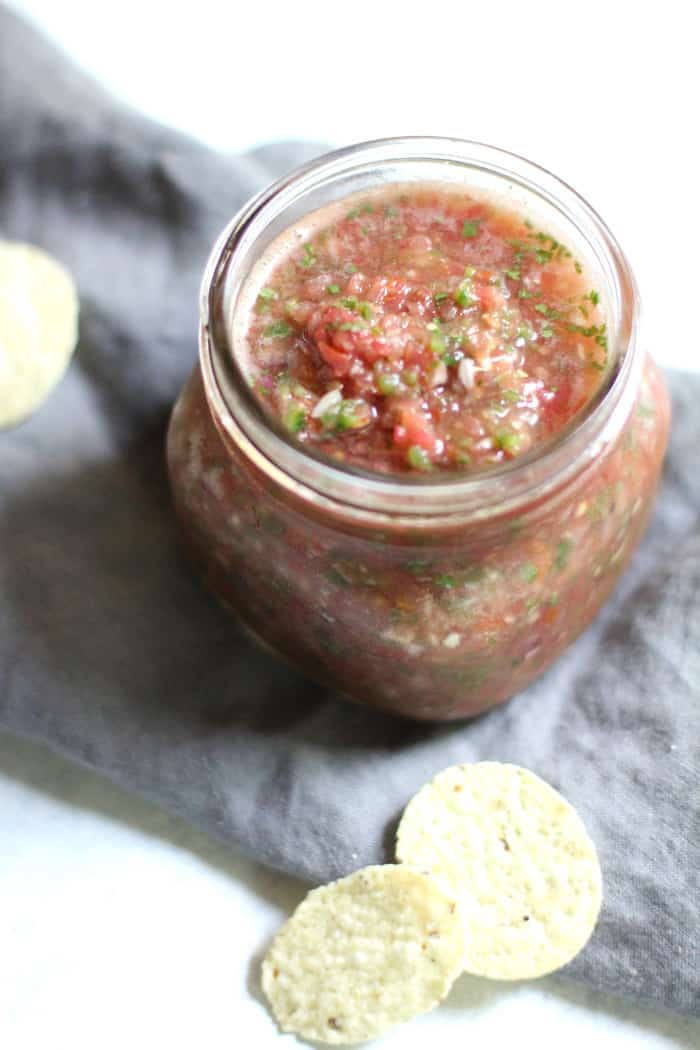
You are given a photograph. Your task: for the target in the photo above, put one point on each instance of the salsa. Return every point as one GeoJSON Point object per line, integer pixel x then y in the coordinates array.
{"type": "Point", "coordinates": [436, 626]}
{"type": "Point", "coordinates": [422, 329]}
{"type": "Point", "coordinates": [405, 332]}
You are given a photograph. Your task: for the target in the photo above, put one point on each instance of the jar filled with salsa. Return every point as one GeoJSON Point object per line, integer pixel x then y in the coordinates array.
{"type": "Point", "coordinates": [421, 443]}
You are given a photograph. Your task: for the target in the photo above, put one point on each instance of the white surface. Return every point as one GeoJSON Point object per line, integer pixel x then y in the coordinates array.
{"type": "Point", "coordinates": [605, 94]}
{"type": "Point", "coordinates": [119, 926]}
{"type": "Point", "coordinates": [122, 927]}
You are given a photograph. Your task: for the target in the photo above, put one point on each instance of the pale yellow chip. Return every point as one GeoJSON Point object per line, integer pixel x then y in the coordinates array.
{"type": "Point", "coordinates": [519, 860]}
{"type": "Point", "coordinates": [38, 328]}
{"type": "Point", "coordinates": [364, 954]}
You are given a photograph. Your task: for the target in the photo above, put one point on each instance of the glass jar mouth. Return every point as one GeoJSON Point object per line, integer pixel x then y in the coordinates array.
{"type": "Point", "coordinates": [523, 479]}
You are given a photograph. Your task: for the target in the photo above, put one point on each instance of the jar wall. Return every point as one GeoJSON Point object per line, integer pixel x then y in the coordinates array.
{"type": "Point", "coordinates": [430, 625]}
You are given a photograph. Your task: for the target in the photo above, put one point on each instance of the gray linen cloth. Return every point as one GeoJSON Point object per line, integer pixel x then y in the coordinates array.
{"type": "Point", "coordinates": [112, 652]}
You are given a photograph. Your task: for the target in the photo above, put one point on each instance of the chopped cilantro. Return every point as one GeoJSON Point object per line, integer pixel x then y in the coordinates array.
{"type": "Point", "coordinates": [267, 293]}
{"type": "Point", "coordinates": [470, 228]}
{"type": "Point", "coordinates": [440, 297]}
{"type": "Point", "coordinates": [595, 332]}
{"type": "Point", "coordinates": [514, 274]}
{"type": "Point", "coordinates": [463, 295]}
{"type": "Point", "coordinates": [555, 247]}
{"type": "Point", "coordinates": [529, 572]}
{"type": "Point", "coordinates": [278, 330]}
{"type": "Point", "coordinates": [544, 251]}
{"type": "Point", "coordinates": [309, 256]}
{"type": "Point", "coordinates": [564, 548]}
{"type": "Point", "coordinates": [453, 357]}
{"type": "Point", "coordinates": [350, 268]}
{"type": "Point", "coordinates": [351, 303]}
{"type": "Point", "coordinates": [524, 294]}
{"type": "Point", "coordinates": [333, 289]}
{"type": "Point", "coordinates": [366, 311]}
{"type": "Point", "coordinates": [448, 582]}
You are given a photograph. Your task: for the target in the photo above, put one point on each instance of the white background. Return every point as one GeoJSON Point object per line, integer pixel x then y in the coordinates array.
{"type": "Point", "coordinates": [120, 926]}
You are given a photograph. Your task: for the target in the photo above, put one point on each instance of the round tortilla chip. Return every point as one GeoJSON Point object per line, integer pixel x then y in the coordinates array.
{"type": "Point", "coordinates": [364, 954]}
{"type": "Point", "coordinates": [518, 858]}
{"type": "Point", "coordinates": [38, 328]}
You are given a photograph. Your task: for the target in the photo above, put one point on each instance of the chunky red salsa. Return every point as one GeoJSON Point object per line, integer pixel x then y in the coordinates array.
{"type": "Point", "coordinates": [418, 329]}
{"type": "Point", "coordinates": [422, 328]}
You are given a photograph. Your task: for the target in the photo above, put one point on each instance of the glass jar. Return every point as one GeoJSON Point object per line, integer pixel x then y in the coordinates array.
{"type": "Point", "coordinates": [432, 596]}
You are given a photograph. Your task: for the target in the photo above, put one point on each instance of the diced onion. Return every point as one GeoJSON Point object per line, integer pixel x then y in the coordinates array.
{"type": "Point", "coordinates": [439, 375]}
{"type": "Point", "coordinates": [329, 400]}
{"type": "Point", "coordinates": [466, 372]}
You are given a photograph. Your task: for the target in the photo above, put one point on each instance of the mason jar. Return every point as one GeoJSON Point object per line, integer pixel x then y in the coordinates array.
{"type": "Point", "coordinates": [433, 596]}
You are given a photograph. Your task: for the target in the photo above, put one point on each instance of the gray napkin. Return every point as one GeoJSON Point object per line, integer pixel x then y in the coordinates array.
{"type": "Point", "coordinates": [112, 653]}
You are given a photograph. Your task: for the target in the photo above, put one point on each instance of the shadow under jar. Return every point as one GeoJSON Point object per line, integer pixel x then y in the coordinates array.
{"type": "Point", "coordinates": [433, 595]}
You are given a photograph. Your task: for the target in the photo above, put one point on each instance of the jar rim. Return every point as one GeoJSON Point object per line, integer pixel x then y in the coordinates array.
{"type": "Point", "coordinates": [523, 480]}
